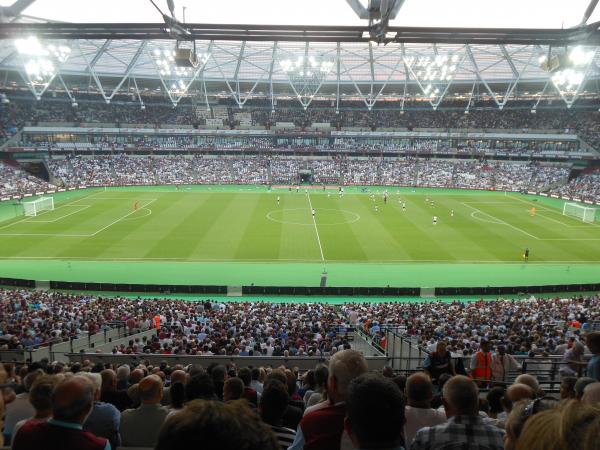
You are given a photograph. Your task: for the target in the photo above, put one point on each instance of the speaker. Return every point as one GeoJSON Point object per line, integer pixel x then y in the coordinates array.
{"type": "Point", "coordinates": [185, 57]}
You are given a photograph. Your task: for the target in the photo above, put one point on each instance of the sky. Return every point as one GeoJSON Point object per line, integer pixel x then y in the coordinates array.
{"type": "Point", "coordinates": [431, 13]}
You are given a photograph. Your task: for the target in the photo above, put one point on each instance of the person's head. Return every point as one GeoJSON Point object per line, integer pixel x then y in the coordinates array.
{"type": "Point", "coordinates": [96, 380]}
{"type": "Point", "coordinates": [151, 390]}
{"type": "Point", "coordinates": [321, 375]}
{"type": "Point", "coordinates": [440, 348]}
{"type": "Point", "coordinates": [109, 380]}
{"type": "Point", "coordinates": [520, 414]}
{"type": "Point", "coordinates": [419, 390]}
{"type": "Point", "coordinates": [40, 395]}
{"type": "Point", "coordinates": [400, 381]}
{"type": "Point", "coordinates": [30, 378]}
{"type": "Point", "coordinates": [200, 387]}
{"type": "Point", "coordinates": [485, 346]}
{"type": "Point", "coordinates": [72, 400]}
{"type": "Point", "coordinates": [593, 342]}
{"type": "Point", "coordinates": [344, 366]}
{"type": "Point", "coordinates": [461, 397]}
{"type": "Point", "coordinates": [374, 412]}
{"type": "Point", "coordinates": [177, 394]}
{"type": "Point", "coordinates": [519, 391]}
{"type": "Point", "coordinates": [580, 385]}
{"type": "Point", "coordinates": [178, 376]}
{"type": "Point", "coordinates": [571, 426]}
{"type": "Point", "coordinates": [529, 380]}
{"type": "Point", "coordinates": [501, 350]}
{"type": "Point", "coordinates": [245, 374]}
{"type": "Point", "coordinates": [218, 373]}
{"type": "Point", "coordinates": [494, 399]}
{"type": "Point", "coordinates": [578, 348]}
{"type": "Point", "coordinates": [136, 376]}
{"type": "Point", "coordinates": [123, 373]}
{"type": "Point", "coordinates": [388, 372]}
{"type": "Point", "coordinates": [591, 394]}
{"type": "Point", "coordinates": [273, 402]}
{"type": "Point", "coordinates": [233, 389]}
{"type": "Point", "coordinates": [567, 388]}
{"type": "Point", "coordinates": [213, 424]}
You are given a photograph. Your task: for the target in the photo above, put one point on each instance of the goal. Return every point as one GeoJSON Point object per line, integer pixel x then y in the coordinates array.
{"type": "Point", "coordinates": [584, 213]}
{"type": "Point", "coordinates": [37, 206]}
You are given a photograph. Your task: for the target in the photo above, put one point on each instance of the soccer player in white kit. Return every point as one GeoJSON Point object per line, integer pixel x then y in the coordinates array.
{"type": "Point", "coordinates": [313, 212]}
{"type": "Point", "coordinates": [278, 200]}
{"type": "Point", "coordinates": [434, 220]}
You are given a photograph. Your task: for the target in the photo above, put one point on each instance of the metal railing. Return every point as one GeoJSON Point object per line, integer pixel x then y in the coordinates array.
{"type": "Point", "coordinates": [55, 349]}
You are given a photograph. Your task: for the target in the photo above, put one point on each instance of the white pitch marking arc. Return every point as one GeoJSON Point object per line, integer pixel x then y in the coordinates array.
{"type": "Point", "coordinates": [356, 217]}
{"type": "Point", "coordinates": [501, 222]}
{"type": "Point", "coordinates": [475, 215]}
{"type": "Point", "coordinates": [136, 217]}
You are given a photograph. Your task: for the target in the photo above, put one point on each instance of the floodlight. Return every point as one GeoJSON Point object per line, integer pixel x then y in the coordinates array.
{"type": "Point", "coordinates": [4, 99]}
{"type": "Point", "coordinates": [74, 104]}
{"type": "Point", "coordinates": [142, 107]}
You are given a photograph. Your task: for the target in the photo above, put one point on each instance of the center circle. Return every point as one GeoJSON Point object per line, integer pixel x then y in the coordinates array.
{"type": "Point", "coordinates": [323, 216]}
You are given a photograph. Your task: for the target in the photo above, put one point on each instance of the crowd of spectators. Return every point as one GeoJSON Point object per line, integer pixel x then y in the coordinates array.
{"type": "Point", "coordinates": [338, 405]}
{"type": "Point", "coordinates": [125, 110]}
{"type": "Point", "coordinates": [15, 181]}
{"type": "Point", "coordinates": [585, 187]}
{"type": "Point", "coordinates": [124, 169]}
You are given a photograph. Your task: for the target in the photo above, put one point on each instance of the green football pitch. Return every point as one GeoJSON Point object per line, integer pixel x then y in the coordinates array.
{"type": "Point", "coordinates": [241, 235]}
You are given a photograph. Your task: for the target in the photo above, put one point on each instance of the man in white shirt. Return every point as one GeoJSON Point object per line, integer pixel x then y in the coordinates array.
{"type": "Point", "coordinates": [502, 364]}
{"type": "Point", "coordinates": [419, 414]}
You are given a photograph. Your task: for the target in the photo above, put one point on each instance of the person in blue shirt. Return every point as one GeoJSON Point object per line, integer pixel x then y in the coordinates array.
{"type": "Point", "coordinates": [593, 342]}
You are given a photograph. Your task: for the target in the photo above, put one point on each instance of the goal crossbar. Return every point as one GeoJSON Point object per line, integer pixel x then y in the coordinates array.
{"type": "Point", "coordinates": [35, 207]}
{"type": "Point", "coordinates": [584, 213]}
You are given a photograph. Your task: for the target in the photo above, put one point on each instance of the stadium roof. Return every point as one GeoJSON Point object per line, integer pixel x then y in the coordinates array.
{"type": "Point", "coordinates": [246, 67]}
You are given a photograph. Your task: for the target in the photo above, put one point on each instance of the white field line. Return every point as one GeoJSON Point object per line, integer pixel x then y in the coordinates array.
{"type": "Point", "coordinates": [316, 229]}
{"type": "Point", "coordinates": [121, 218]}
{"type": "Point", "coordinates": [502, 222]}
{"type": "Point", "coordinates": [27, 218]}
{"type": "Point", "coordinates": [81, 235]}
{"type": "Point", "coordinates": [276, 261]}
{"type": "Point", "coordinates": [62, 217]}
{"type": "Point", "coordinates": [557, 212]}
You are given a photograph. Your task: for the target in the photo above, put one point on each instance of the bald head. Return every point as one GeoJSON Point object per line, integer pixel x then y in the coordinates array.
{"type": "Point", "coordinates": [150, 389]}
{"type": "Point", "coordinates": [519, 391]}
{"type": "Point", "coordinates": [591, 394]}
{"type": "Point", "coordinates": [461, 397]}
{"type": "Point", "coordinates": [529, 380]}
{"type": "Point", "coordinates": [72, 400]}
{"type": "Point", "coordinates": [136, 376]}
{"type": "Point", "coordinates": [344, 367]}
{"type": "Point", "coordinates": [419, 390]}
{"type": "Point", "coordinates": [178, 376]}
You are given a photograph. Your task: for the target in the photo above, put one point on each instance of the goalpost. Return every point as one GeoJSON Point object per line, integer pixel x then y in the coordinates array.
{"type": "Point", "coordinates": [584, 213]}
{"type": "Point", "coordinates": [36, 206]}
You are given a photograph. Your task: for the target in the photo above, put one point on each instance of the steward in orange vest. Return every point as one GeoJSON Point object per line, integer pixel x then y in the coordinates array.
{"type": "Point", "coordinates": [481, 365]}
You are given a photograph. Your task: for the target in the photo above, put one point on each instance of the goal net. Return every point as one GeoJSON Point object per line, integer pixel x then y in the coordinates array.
{"type": "Point", "coordinates": [37, 206]}
{"type": "Point", "coordinates": [583, 213]}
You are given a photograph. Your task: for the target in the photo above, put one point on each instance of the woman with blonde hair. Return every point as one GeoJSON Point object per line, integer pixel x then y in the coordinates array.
{"type": "Point", "coordinates": [571, 426]}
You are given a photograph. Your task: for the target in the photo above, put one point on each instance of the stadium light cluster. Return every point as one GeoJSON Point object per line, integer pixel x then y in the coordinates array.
{"type": "Point", "coordinates": [176, 78]}
{"type": "Point", "coordinates": [433, 71]}
{"type": "Point", "coordinates": [306, 67]}
{"type": "Point", "coordinates": [40, 61]}
{"type": "Point", "coordinates": [568, 70]}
